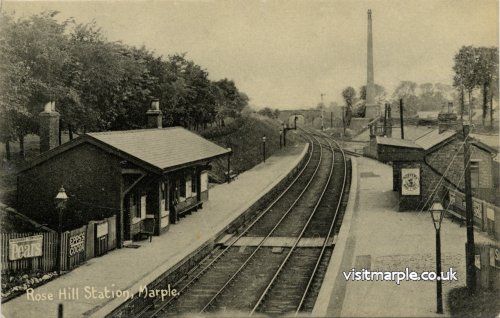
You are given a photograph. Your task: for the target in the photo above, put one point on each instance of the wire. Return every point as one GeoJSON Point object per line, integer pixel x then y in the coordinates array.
{"type": "Point", "coordinates": [436, 188]}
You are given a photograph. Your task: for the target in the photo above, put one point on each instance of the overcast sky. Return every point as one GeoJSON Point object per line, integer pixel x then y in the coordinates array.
{"type": "Point", "coordinates": [283, 54]}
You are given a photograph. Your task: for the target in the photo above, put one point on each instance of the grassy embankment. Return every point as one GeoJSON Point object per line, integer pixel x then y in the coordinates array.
{"type": "Point", "coordinates": [244, 136]}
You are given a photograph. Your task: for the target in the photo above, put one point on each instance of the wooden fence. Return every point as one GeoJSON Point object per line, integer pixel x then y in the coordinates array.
{"type": "Point", "coordinates": [486, 215]}
{"type": "Point", "coordinates": [37, 251]}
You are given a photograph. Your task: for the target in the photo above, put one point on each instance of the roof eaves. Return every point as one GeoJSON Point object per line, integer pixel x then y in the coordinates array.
{"type": "Point", "coordinates": [186, 164]}
{"type": "Point", "coordinates": [52, 153]}
{"type": "Point", "coordinates": [484, 146]}
{"type": "Point", "coordinates": [440, 144]}
{"type": "Point", "coordinates": [120, 153]}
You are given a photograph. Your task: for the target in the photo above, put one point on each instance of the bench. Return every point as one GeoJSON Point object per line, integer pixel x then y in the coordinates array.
{"type": "Point", "coordinates": [147, 229]}
{"type": "Point", "coordinates": [455, 215]}
{"type": "Point", "coordinates": [187, 210]}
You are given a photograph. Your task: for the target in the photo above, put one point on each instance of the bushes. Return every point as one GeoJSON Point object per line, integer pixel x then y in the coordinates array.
{"type": "Point", "coordinates": [483, 303]}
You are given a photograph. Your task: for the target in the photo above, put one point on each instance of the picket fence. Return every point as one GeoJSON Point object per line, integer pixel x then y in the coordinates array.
{"type": "Point", "coordinates": [77, 246]}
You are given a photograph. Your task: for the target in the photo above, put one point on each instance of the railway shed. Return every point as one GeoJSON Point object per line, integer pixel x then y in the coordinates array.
{"type": "Point", "coordinates": [435, 161]}
{"type": "Point", "coordinates": [147, 178]}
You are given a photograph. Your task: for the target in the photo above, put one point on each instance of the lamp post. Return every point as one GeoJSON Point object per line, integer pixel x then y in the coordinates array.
{"type": "Point", "coordinates": [61, 201]}
{"type": "Point", "coordinates": [437, 212]}
{"type": "Point", "coordinates": [264, 148]}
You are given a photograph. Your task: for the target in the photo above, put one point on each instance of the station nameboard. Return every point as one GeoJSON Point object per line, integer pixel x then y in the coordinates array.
{"type": "Point", "coordinates": [25, 247]}
{"type": "Point", "coordinates": [410, 181]}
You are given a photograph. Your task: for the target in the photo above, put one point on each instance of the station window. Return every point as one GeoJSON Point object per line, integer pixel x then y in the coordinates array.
{"type": "Point", "coordinates": [142, 212]}
{"type": "Point", "coordinates": [133, 206]}
{"type": "Point", "coordinates": [188, 185]}
{"type": "Point", "coordinates": [474, 174]}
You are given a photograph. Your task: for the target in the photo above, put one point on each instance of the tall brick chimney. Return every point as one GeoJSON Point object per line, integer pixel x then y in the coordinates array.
{"type": "Point", "coordinates": [154, 115]}
{"type": "Point", "coordinates": [49, 127]}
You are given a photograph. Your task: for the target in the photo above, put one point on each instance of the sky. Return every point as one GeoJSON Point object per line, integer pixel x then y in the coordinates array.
{"type": "Point", "coordinates": [284, 54]}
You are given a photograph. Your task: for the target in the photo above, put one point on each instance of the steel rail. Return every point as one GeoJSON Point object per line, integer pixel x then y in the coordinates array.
{"type": "Point", "coordinates": [283, 263]}
{"type": "Point", "coordinates": [163, 306]}
{"type": "Point", "coordinates": [330, 230]}
{"type": "Point", "coordinates": [267, 236]}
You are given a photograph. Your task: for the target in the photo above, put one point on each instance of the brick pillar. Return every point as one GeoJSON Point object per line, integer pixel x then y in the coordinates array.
{"type": "Point", "coordinates": [49, 127]}
{"type": "Point", "coordinates": [154, 115]}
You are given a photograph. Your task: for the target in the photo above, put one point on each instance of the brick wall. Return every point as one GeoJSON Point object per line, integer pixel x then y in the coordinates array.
{"type": "Point", "coordinates": [452, 155]}
{"type": "Point", "coordinates": [91, 178]}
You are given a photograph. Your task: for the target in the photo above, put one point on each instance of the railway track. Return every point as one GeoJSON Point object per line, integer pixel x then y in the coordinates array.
{"type": "Point", "coordinates": [276, 263]}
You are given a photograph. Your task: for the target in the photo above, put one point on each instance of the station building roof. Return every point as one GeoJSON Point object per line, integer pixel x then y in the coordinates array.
{"type": "Point", "coordinates": [158, 149]}
{"type": "Point", "coordinates": [396, 142]}
{"type": "Point", "coordinates": [429, 141]}
{"type": "Point", "coordinates": [433, 138]}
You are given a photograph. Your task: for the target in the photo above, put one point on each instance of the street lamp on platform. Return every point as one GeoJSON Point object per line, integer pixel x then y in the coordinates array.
{"type": "Point", "coordinates": [264, 148]}
{"type": "Point", "coordinates": [61, 201]}
{"type": "Point", "coordinates": [437, 212]}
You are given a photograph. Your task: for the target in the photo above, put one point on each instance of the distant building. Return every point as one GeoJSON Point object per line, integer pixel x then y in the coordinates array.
{"type": "Point", "coordinates": [140, 176]}
{"type": "Point", "coordinates": [430, 114]}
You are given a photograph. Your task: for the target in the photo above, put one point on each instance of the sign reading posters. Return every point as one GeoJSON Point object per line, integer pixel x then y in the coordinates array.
{"type": "Point", "coordinates": [76, 244]}
{"type": "Point", "coordinates": [25, 247]}
{"type": "Point", "coordinates": [410, 181]}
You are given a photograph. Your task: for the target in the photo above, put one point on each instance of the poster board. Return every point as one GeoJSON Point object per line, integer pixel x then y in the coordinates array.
{"type": "Point", "coordinates": [25, 247]}
{"type": "Point", "coordinates": [410, 181]}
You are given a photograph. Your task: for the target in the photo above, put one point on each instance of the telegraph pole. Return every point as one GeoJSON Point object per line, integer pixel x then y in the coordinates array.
{"type": "Point", "coordinates": [401, 121]}
{"type": "Point", "coordinates": [343, 121]}
{"type": "Point", "coordinates": [469, 249]}
{"type": "Point", "coordinates": [385, 120]}
{"type": "Point", "coordinates": [322, 108]}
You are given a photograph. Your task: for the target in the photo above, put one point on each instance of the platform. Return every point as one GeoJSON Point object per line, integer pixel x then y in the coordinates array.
{"type": "Point", "coordinates": [376, 237]}
{"type": "Point", "coordinates": [128, 269]}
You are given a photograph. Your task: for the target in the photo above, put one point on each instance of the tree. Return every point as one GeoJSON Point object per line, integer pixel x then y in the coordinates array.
{"type": "Point", "coordinates": [487, 73]}
{"type": "Point", "coordinates": [406, 91]}
{"type": "Point", "coordinates": [230, 102]}
{"type": "Point", "coordinates": [349, 95]}
{"type": "Point", "coordinates": [266, 111]}
{"type": "Point", "coordinates": [33, 55]}
{"type": "Point", "coordinates": [430, 98]}
{"type": "Point", "coordinates": [466, 75]}
{"type": "Point", "coordinates": [97, 84]}
{"type": "Point", "coordinates": [380, 93]}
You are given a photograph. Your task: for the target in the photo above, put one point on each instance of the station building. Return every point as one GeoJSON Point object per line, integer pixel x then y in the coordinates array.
{"type": "Point", "coordinates": [434, 162]}
{"type": "Point", "coordinates": [147, 178]}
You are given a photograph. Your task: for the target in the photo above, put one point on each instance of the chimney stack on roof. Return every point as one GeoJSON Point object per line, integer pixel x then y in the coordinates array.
{"type": "Point", "coordinates": [154, 115]}
{"type": "Point", "coordinates": [49, 127]}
